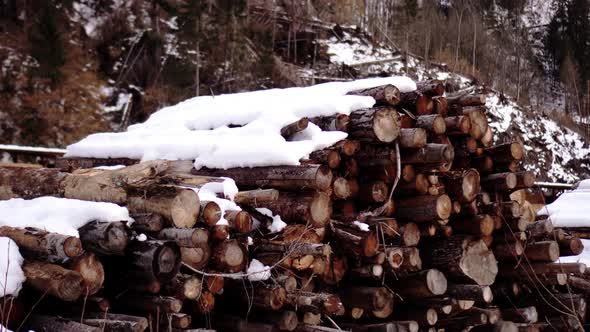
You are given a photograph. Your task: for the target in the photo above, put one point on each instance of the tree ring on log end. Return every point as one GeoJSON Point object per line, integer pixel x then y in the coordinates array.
{"type": "Point", "coordinates": [386, 125]}
{"type": "Point", "coordinates": [166, 261]}
{"type": "Point", "coordinates": [436, 282]}
{"type": "Point", "coordinates": [478, 262]}
{"type": "Point", "coordinates": [444, 207]}
{"type": "Point", "coordinates": [320, 208]}
{"type": "Point", "coordinates": [185, 209]}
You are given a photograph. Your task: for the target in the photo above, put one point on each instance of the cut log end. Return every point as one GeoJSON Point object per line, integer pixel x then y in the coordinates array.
{"type": "Point", "coordinates": [436, 282]}
{"type": "Point", "coordinates": [185, 209]}
{"type": "Point", "coordinates": [444, 206]}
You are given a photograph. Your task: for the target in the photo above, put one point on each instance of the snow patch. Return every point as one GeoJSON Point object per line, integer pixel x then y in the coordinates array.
{"type": "Point", "coordinates": [258, 271]}
{"type": "Point", "coordinates": [58, 215]}
{"type": "Point", "coordinates": [571, 209]}
{"type": "Point", "coordinates": [11, 274]}
{"type": "Point", "coordinates": [362, 226]}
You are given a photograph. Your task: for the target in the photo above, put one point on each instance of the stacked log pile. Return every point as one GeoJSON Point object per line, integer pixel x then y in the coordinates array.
{"type": "Point", "coordinates": [415, 222]}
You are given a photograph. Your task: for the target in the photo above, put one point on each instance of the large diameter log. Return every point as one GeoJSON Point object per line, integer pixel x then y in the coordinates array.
{"type": "Point", "coordinates": [280, 177]}
{"type": "Point", "coordinates": [507, 152]}
{"type": "Point", "coordinates": [230, 256]}
{"type": "Point", "coordinates": [433, 123]}
{"type": "Point", "coordinates": [416, 102]}
{"type": "Point", "coordinates": [423, 284]}
{"type": "Point", "coordinates": [337, 122]}
{"type": "Point", "coordinates": [51, 246]}
{"type": "Point", "coordinates": [156, 259]}
{"type": "Point", "coordinates": [471, 292]}
{"type": "Point", "coordinates": [256, 197]}
{"type": "Point", "coordinates": [570, 247]}
{"type": "Point", "coordinates": [104, 238]}
{"type": "Point", "coordinates": [412, 138]}
{"type": "Point", "coordinates": [355, 241]}
{"type": "Point", "coordinates": [544, 251]}
{"type": "Point", "coordinates": [177, 205]}
{"type": "Point", "coordinates": [430, 154]}
{"type": "Point", "coordinates": [499, 182]}
{"type": "Point", "coordinates": [462, 258]}
{"type": "Point", "coordinates": [379, 124]}
{"type": "Point", "coordinates": [314, 208]}
{"type": "Point", "coordinates": [458, 125]}
{"type": "Point", "coordinates": [424, 208]}
{"type": "Point", "coordinates": [383, 95]}
{"type": "Point", "coordinates": [52, 279]}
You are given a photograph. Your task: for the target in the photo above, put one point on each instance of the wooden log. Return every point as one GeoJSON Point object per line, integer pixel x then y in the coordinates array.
{"type": "Point", "coordinates": [178, 206]}
{"type": "Point", "coordinates": [508, 251]}
{"type": "Point", "coordinates": [329, 157]}
{"type": "Point", "coordinates": [433, 123]}
{"type": "Point", "coordinates": [500, 326]}
{"type": "Point", "coordinates": [177, 321]}
{"type": "Point", "coordinates": [345, 188]}
{"type": "Point", "coordinates": [384, 225]}
{"type": "Point", "coordinates": [104, 238]}
{"type": "Point", "coordinates": [506, 152]}
{"type": "Point", "coordinates": [91, 270]}
{"type": "Point", "coordinates": [147, 222]}
{"type": "Point", "coordinates": [543, 251]}
{"type": "Point", "coordinates": [499, 182]}
{"type": "Point", "coordinates": [293, 128]}
{"type": "Point", "coordinates": [148, 303]}
{"type": "Point", "coordinates": [570, 247]}
{"type": "Point", "coordinates": [256, 197]}
{"type": "Point", "coordinates": [314, 208]}
{"type": "Point", "coordinates": [462, 258]}
{"type": "Point", "coordinates": [463, 185]}
{"type": "Point", "coordinates": [205, 303]}
{"type": "Point", "coordinates": [479, 225]}
{"type": "Point", "coordinates": [354, 241]}
{"type": "Point", "coordinates": [57, 324]}
{"type": "Point", "coordinates": [347, 147]}
{"type": "Point", "coordinates": [431, 153]}
{"type": "Point", "coordinates": [525, 179]}
{"type": "Point", "coordinates": [458, 125]}
{"type": "Point", "coordinates": [377, 300]}
{"type": "Point", "coordinates": [336, 122]}
{"type": "Point", "coordinates": [183, 286]}
{"type": "Point", "coordinates": [325, 303]}
{"type": "Point", "coordinates": [416, 102]}
{"type": "Point", "coordinates": [431, 88]}
{"type": "Point", "coordinates": [470, 320]}
{"type": "Point", "coordinates": [471, 292]}
{"type": "Point", "coordinates": [521, 315]}
{"type": "Point", "coordinates": [157, 259]}
{"type": "Point", "coordinates": [411, 260]}
{"type": "Point", "coordinates": [54, 280]}
{"type": "Point", "coordinates": [412, 138]}
{"type": "Point", "coordinates": [239, 221]}
{"type": "Point", "coordinates": [114, 322]}
{"type": "Point", "coordinates": [185, 237]}
{"type": "Point", "coordinates": [383, 95]}
{"type": "Point", "coordinates": [418, 186]}
{"type": "Point", "coordinates": [44, 245]}
{"type": "Point", "coordinates": [229, 256]}
{"type": "Point", "coordinates": [467, 99]}
{"type": "Point", "coordinates": [279, 177]}
{"type": "Point", "coordinates": [479, 122]}
{"type": "Point", "coordinates": [423, 316]}
{"type": "Point", "coordinates": [379, 169]}
{"type": "Point", "coordinates": [390, 326]}
{"type": "Point", "coordinates": [378, 124]}
{"type": "Point", "coordinates": [224, 322]}
{"type": "Point", "coordinates": [373, 192]}
{"type": "Point", "coordinates": [421, 285]}
{"type": "Point", "coordinates": [424, 208]}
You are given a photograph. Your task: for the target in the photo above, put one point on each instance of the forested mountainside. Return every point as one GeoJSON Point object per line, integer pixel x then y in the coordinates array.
{"type": "Point", "coordinates": [70, 68]}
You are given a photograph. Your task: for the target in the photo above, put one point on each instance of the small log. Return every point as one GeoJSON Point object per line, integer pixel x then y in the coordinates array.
{"type": "Point", "coordinates": [423, 316]}
{"type": "Point", "coordinates": [544, 251]}
{"type": "Point", "coordinates": [147, 222]}
{"type": "Point", "coordinates": [390, 326]}
{"type": "Point", "coordinates": [336, 122]}
{"type": "Point", "coordinates": [433, 123]}
{"type": "Point", "coordinates": [210, 213]}
{"type": "Point", "coordinates": [114, 322]}
{"type": "Point", "coordinates": [230, 256]}
{"type": "Point", "coordinates": [52, 279]}
{"type": "Point", "coordinates": [104, 238]}
{"type": "Point", "coordinates": [508, 251]}
{"type": "Point", "coordinates": [178, 206]}
{"type": "Point", "coordinates": [314, 208]}
{"type": "Point", "coordinates": [354, 241]}
{"type": "Point", "coordinates": [411, 260]}
{"type": "Point", "coordinates": [499, 182]}
{"type": "Point", "coordinates": [383, 95]}
{"type": "Point", "coordinates": [507, 152]}
{"type": "Point", "coordinates": [418, 186]}
{"type": "Point", "coordinates": [377, 300]}
{"type": "Point", "coordinates": [185, 237]}
{"type": "Point", "coordinates": [345, 188]}
{"type": "Point", "coordinates": [570, 247]}
{"type": "Point", "coordinates": [521, 315]}
{"type": "Point", "coordinates": [462, 258]}
{"type": "Point", "coordinates": [348, 148]}
{"type": "Point", "coordinates": [431, 88]}
{"type": "Point", "coordinates": [410, 234]}
{"type": "Point", "coordinates": [183, 286]}
{"type": "Point", "coordinates": [424, 208]}
{"type": "Point", "coordinates": [440, 105]}
{"type": "Point", "coordinates": [421, 285]}
{"type": "Point", "coordinates": [373, 192]}
{"type": "Point", "coordinates": [430, 154]}
{"type": "Point", "coordinates": [525, 179]}
{"type": "Point", "coordinates": [329, 157]}
{"type": "Point", "coordinates": [378, 124]}
{"type": "Point", "coordinates": [279, 177]}
{"type": "Point", "coordinates": [256, 197]}
{"type": "Point", "coordinates": [471, 292]}
{"type": "Point", "coordinates": [293, 128]}
{"type": "Point", "coordinates": [463, 185]}
{"type": "Point", "coordinates": [479, 122]}
{"type": "Point", "coordinates": [412, 138]}
{"type": "Point", "coordinates": [148, 303]}
{"type": "Point", "coordinates": [541, 228]}
{"type": "Point", "coordinates": [457, 125]}
{"type": "Point", "coordinates": [467, 99]}
{"type": "Point", "coordinates": [416, 102]}
{"type": "Point", "coordinates": [480, 225]}
{"type": "Point", "coordinates": [50, 246]}
{"type": "Point", "coordinates": [239, 221]}
{"type": "Point", "coordinates": [500, 326]}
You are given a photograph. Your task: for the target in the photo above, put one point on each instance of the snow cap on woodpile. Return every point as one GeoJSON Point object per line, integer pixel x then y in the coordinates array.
{"type": "Point", "coordinates": [571, 209]}
{"type": "Point", "coordinates": [237, 130]}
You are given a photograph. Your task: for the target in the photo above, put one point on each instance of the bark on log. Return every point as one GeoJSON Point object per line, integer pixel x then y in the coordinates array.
{"type": "Point", "coordinates": [279, 177]}
{"type": "Point", "coordinates": [471, 292]}
{"type": "Point", "coordinates": [337, 122]}
{"type": "Point", "coordinates": [354, 241]}
{"type": "Point", "coordinates": [91, 270]}
{"type": "Point", "coordinates": [499, 182]}
{"type": "Point", "coordinates": [52, 279]}
{"type": "Point", "coordinates": [479, 122]}
{"type": "Point", "coordinates": [314, 208]}
{"type": "Point", "coordinates": [230, 256]}
{"type": "Point", "coordinates": [147, 222]}
{"type": "Point", "coordinates": [462, 257]}
{"type": "Point", "coordinates": [383, 95]}
{"type": "Point", "coordinates": [464, 185]}
{"type": "Point", "coordinates": [431, 88]}
{"type": "Point", "coordinates": [185, 237]}
{"type": "Point", "coordinates": [416, 102]}
{"type": "Point", "coordinates": [424, 208]}
{"type": "Point", "coordinates": [115, 322]}
{"type": "Point", "coordinates": [430, 154]}
{"type": "Point", "coordinates": [178, 206]}
{"type": "Point", "coordinates": [50, 246]}
{"type": "Point", "coordinates": [257, 197]}
{"type": "Point", "coordinates": [328, 156]}
{"type": "Point", "coordinates": [570, 247]}
{"type": "Point", "coordinates": [458, 125]}
{"type": "Point", "coordinates": [525, 179]}
{"type": "Point", "coordinates": [372, 299]}
{"type": "Point", "coordinates": [148, 303]}
{"type": "Point", "coordinates": [293, 128]}
{"type": "Point", "coordinates": [480, 225]}
{"type": "Point", "coordinates": [412, 138]}
{"type": "Point", "coordinates": [158, 259]}
{"type": "Point", "coordinates": [57, 324]}
{"type": "Point", "coordinates": [544, 251]}
{"type": "Point", "coordinates": [373, 192]}
{"type": "Point", "coordinates": [433, 123]}
{"type": "Point", "coordinates": [421, 285]}
{"type": "Point", "coordinates": [210, 213]}
{"type": "Point", "coordinates": [104, 238]}
{"type": "Point", "coordinates": [379, 124]}
{"type": "Point", "coordinates": [506, 152]}
{"type": "Point", "coordinates": [467, 99]}
{"type": "Point", "coordinates": [521, 315]}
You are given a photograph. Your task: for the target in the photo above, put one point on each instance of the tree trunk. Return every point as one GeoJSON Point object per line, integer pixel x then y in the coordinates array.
{"type": "Point", "coordinates": [154, 259]}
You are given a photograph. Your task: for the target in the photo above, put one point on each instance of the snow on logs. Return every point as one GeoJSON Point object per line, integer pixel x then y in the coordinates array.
{"type": "Point", "coordinates": [326, 240]}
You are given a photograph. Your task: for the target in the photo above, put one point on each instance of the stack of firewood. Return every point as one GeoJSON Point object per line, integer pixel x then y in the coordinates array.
{"type": "Point", "coordinates": [415, 222]}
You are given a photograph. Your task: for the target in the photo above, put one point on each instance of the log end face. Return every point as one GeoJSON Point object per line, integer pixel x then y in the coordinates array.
{"type": "Point", "coordinates": [166, 261]}
{"type": "Point", "coordinates": [185, 209]}
{"type": "Point", "coordinates": [320, 209]}
{"type": "Point", "coordinates": [386, 125]}
{"type": "Point", "coordinates": [470, 186]}
{"type": "Point", "coordinates": [73, 247]}
{"type": "Point", "coordinates": [436, 282]}
{"type": "Point", "coordinates": [444, 206]}
{"type": "Point", "coordinates": [516, 150]}
{"type": "Point", "coordinates": [324, 178]}
{"type": "Point", "coordinates": [479, 263]}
